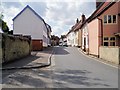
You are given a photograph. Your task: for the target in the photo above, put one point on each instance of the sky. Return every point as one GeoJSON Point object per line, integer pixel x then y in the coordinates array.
{"type": "Point", "coordinates": [60, 15]}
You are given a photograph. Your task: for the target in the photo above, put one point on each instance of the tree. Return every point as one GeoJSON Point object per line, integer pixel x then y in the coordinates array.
{"type": "Point", "coordinates": [3, 24]}
{"type": "Point", "coordinates": [55, 40]}
{"type": "Point", "coordinates": [63, 36]}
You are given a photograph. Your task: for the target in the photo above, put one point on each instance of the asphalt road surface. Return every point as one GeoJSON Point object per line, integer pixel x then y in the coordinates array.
{"type": "Point", "coordinates": [69, 69]}
{"type": "Point", "coordinates": [72, 69]}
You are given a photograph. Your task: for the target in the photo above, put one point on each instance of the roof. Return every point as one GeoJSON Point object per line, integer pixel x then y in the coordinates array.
{"type": "Point", "coordinates": [74, 28]}
{"type": "Point", "coordinates": [117, 34]}
{"type": "Point", "coordinates": [100, 10]}
{"type": "Point", "coordinates": [78, 26]}
{"type": "Point", "coordinates": [48, 26]}
{"type": "Point", "coordinates": [31, 10]}
{"type": "Point", "coordinates": [103, 7]}
{"type": "Point", "coordinates": [69, 32]}
{"type": "Point", "coordinates": [34, 13]}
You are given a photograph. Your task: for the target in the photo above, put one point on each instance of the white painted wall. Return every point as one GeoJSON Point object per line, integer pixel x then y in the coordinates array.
{"type": "Point", "coordinates": [71, 39]}
{"type": "Point", "coordinates": [28, 23]}
{"type": "Point", "coordinates": [76, 38]}
{"type": "Point", "coordinates": [85, 35]}
{"type": "Point", "coordinates": [68, 39]}
{"type": "Point", "coordinates": [45, 36]}
{"type": "Point", "coordinates": [1, 30]}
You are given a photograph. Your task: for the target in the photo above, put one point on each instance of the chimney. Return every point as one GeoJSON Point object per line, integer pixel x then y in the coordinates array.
{"type": "Point", "coordinates": [98, 2]}
{"type": "Point", "coordinates": [83, 18]}
{"type": "Point", "coordinates": [77, 20]}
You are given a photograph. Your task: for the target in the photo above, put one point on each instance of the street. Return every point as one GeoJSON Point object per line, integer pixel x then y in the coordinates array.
{"type": "Point", "coordinates": [74, 70]}
{"type": "Point", "coordinates": [69, 69]}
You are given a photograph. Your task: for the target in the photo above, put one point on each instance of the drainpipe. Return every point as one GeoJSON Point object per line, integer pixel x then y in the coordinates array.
{"type": "Point", "coordinates": [101, 34]}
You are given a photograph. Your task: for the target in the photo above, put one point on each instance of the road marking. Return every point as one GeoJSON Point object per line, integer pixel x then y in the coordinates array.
{"type": "Point", "coordinates": [97, 60]}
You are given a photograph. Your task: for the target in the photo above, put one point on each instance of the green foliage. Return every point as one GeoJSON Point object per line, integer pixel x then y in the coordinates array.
{"type": "Point", "coordinates": [3, 25]}
{"type": "Point", "coordinates": [63, 36]}
{"type": "Point", "coordinates": [10, 32]}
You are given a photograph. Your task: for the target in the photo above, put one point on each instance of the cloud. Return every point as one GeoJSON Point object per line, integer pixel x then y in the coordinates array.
{"type": "Point", "coordinates": [61, 15]}
{"type": "Point", "coordinates": [9, 12]}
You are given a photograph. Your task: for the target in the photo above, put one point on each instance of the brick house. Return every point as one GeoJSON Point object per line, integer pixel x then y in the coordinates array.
{"type": "Point", "coordinates": [104, 27]}
{"type": "Point", "coordinates": [28, 22]}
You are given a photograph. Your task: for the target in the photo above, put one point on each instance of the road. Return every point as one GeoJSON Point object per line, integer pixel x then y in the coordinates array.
{"type": "Point", "coordinates": [69, 69]}
{"type": "Point", "coordinates": [72, 69]}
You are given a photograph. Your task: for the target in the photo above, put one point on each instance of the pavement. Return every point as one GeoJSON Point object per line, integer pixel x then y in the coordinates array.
{"type": "Point", "coordinates": [99, 59]}
{"type": "Point", "coordinates": [37, 59]}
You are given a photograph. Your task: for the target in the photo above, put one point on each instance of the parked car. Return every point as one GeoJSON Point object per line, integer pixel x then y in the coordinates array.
{"type": "Point", "coordinates": [65, 44]}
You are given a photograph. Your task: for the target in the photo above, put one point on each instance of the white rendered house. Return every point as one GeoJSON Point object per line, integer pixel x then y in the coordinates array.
{"type": "Point", "coordinates": [71, 38]}
{"type": "Point", "coordinates": [28, 22]}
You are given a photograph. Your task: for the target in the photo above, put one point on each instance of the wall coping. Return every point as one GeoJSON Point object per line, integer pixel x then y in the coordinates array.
{"type": "Point", "coordinates": [21, 37]}
{"type": "Point", "coordinates": [110, 46]}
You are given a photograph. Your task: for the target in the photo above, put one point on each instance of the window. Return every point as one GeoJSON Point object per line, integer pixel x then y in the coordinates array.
{"type": "Point", "coordinates": [106, 38]}
{"type": "Point", "coordinates": [109, 41]}
{"type": "Point", "coordinates": [110, 19]}
{"type": "Point", "coordinates": [114, 18]}
{"type": "Point", "coordinates": [105, 19]}
{"type": "Point", "coordinates": [112, 38]}
{"type": "Point", "coordinates": [112, 43]}
{"type": "Point", "coordinates": [106, 44]}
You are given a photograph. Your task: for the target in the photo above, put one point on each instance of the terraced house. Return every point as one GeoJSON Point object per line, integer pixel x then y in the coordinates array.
{"type": "Point", "coordinates": [104, 27]}
{"type": "Point", "coordinates": [99, 35]}
{"type": "Point", "coordinates": [28, 22]}
{"type": "Point", "coordinates": [74, 36]}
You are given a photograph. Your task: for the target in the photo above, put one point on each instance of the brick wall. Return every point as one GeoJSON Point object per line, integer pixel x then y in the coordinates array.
{"type": "Point", "coordinates": [111, 54]}
{"type": "Point", "coordinates": [15, 47]}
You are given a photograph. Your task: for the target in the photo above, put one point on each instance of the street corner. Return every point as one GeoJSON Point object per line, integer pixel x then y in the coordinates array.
{"type": "Point", "coordinates": [37, 59]}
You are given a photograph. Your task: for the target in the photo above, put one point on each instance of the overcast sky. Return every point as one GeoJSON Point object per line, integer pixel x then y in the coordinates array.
{"type": "Point", "coordinates": [60, 15]}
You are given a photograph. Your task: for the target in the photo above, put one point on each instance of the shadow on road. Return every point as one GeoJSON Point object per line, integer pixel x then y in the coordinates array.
{"type": "Point", "coordinates": [76, 77]}
{"type": "Point", "coordinates": [24, 79]}
{"type": "Point", "coordinates": [35, 55]}
{"type": "Point", "coordinates": [60, 79]}
{"type": "Point", "coordinates": [60, 50]}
